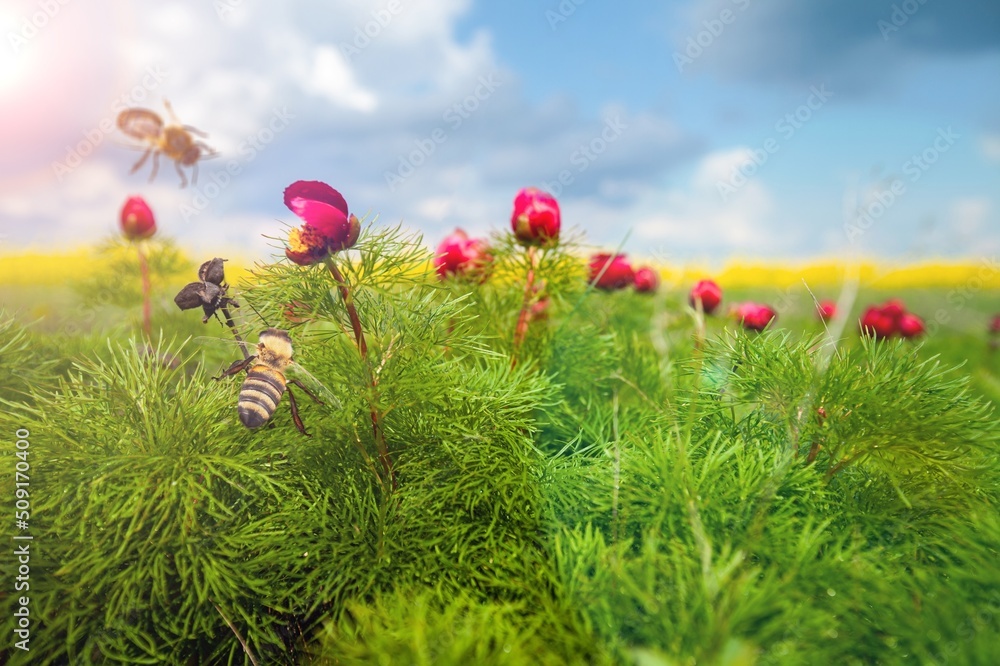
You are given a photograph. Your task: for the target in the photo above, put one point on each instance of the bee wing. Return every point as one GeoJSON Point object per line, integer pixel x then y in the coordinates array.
{"type": "Point", "coordinates": [140, 123]}
{"type": "Point", "coordinates": [296, 371]}
{"type": "Point", "coordinates": [228, 343]}
{"type": "Point", "coordinates": [212, 271]}
{"type": "Point", "coordinates": [193, 295]}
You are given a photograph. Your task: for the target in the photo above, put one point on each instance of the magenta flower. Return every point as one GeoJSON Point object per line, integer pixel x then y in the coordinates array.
{"type": "Point", "coordinates": [826, 310]}
{"type": "Point", "coordinates": [536, 218]}
{"type": "Point", "coordinates": [755, 316]}
{"type": "Point", "coordinates": [460, 255]}
{"type": "Point", "coordinates": [911, 326]}
{"type": "Point", "coordinates": [877, 323]}
{"type": "Point", "coordinates": [136, 219]}
{"type": "Point", "coordinates": [329, 227]}
{"type": "Point", "coordinates": [709, 293]}
{"type": "Point", "coordinates": [646, 280]}
{"type": "Point", "coordinates": [617, 272]}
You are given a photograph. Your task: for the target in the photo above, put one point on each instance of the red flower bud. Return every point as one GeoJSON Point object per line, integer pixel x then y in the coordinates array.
{"type": "Point", "coordinates": [754, 316]}
{"type": "Point", "coordinates": [536, 219]}
{"type": "Point", "coordinates": [878, 323]}
{"type": "Point", "coordinates": [618, 273]}
{"type": "Point", "coordinates": [995, 325]}
{"type": "Point", "coordinates": [709, 293]}
{"type": "Point", "coordinates": [460, 255]}
{"type": "Point", "coordinates": [306, 246]}
{"type": "Point", "coordinates": [324, 211]}
{"type": "Point", "coordinates": [646, 280]}
{"type": "Point", "coordinates": [826, 310]}
{"type": "Point", "coordinates": [894, 309]}
{"type": "Point", "coordinates": [911, 326]}
{"type": "Point", "coordinates": [137, 220]}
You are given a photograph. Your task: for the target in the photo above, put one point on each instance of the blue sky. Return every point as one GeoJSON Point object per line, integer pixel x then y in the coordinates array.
{"type": "Point", "coordinates": [652, 112]}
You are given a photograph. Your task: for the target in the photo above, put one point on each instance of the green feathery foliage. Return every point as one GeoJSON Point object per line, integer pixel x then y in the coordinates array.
{"type": "Point", "coordinates": [630, 484]}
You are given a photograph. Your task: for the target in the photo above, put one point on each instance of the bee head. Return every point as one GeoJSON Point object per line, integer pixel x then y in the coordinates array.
{"type": "Point", "coordinates": [276, 343]}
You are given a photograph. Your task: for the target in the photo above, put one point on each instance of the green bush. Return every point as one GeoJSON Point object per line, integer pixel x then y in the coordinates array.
{"type": "Point", "coordinates": [622, 491]}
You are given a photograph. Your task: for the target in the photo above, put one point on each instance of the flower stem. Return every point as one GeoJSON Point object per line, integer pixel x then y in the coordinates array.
{"type": "Point", "coordinates": [523, 319]}
{"type": "Point", "coordinates": [147, 319]}
{"type": "Point", "coordinates": [352, 312]}
{"type": "Point", "coordinates": [359, 337]}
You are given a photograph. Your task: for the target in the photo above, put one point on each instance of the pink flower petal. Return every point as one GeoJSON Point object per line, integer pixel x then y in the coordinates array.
{"type": "Point", "coordinates": [313, 190]}
{"type": "Point", "coordinates": [331, 222]}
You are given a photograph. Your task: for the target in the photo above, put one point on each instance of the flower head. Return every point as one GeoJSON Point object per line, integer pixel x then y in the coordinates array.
{"type": "Point", "coordinates": [709, 293]}
{"type": "Point", "coordinates": [878, 323]}
{"type": "Point", "coordinates": [755, 316]}
{"type": "Point", "coordinates": [646, 280]}
{"type": "Point", "coordinates": [137, 221]}
{"type": "Point", "coordinates": [536, 219]}
{"type": "Point", "coordinates": [910, 325]}
{"type": "Point", "coordinates": [890, 318]}
{"type": "Point", "coordinates": [460, 255]}
{"type": "Point", "coordinates": [826, 310]}
{"type": "Point", "coordinates": [611, 272]}
{"type": "Point", "coordinates": [893, 308]}
{"type": "Point", "coordinates": [327, 221]}
{"type": "Point", "coordinates": [306, 246]}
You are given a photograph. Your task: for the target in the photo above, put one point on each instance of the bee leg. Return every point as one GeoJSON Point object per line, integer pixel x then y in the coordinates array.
{"type": "Point", "coordinates": [142, 160]}
{"type": "Point", "coordinates": [236, 367]}
{"type": "Point", "coordinates": [184, 182]}
{"type": "Point", "coordinates": [194, 173]}
{"type": "Point", "coordinates": [170, 109]}
{"type": "Point", "coordinates": [295, 411]}
{"type": "Point", "coordinates": [156, 165]}
{"type": "Point", "coordinates": [308, 392]}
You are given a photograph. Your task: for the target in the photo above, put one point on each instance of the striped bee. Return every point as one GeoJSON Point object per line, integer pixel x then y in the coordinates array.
{"type": "Point", "coordinates": [265, 382]}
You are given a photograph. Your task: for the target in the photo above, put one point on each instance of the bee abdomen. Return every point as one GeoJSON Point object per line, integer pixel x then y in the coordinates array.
{"type": "Point", "coordinates": [259, 396]}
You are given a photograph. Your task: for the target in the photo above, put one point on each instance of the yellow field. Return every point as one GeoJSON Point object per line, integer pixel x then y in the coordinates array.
{"type": "Point", "coordinates": [56, 269]}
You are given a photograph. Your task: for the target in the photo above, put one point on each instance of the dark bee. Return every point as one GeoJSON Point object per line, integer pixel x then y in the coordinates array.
{"type": "Point", "coordinates": [265, 382]}
{"type": "Point", "coordinates": [209, 293]}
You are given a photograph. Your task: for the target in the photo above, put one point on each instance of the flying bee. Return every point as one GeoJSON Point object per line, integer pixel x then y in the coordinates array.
{"type": "Point", "coordinates": [174, 140]}
{"type": "Point", "coordinates": [266, 382]}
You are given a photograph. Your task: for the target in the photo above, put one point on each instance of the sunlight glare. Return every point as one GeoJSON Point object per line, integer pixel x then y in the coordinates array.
{"type": "Point", "coordinates": [13, 56]}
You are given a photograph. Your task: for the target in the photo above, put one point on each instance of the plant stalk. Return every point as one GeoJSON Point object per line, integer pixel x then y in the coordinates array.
{"type": "Point", "coordinates": [523, 319]}
{"type": "Point", "coordinates": [359, 337]}
{"type": "Point", "coordinates": [147, 317]}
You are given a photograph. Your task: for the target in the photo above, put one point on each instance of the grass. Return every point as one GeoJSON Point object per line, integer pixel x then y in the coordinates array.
{"type": "Point", "coordinates": [628, 494]}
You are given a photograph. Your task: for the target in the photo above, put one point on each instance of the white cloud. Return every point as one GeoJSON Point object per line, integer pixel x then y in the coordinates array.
{"type": "Point", "coordinates": [989, 144]}
{"type": "Point", "coordinates": [330, 76]}
{"type": "Point", "coordinates": [352, 119]}
{"type": "Point", "coordinates": [968, 215]}
{"type": "Point", "coordinates": [695, 220]}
